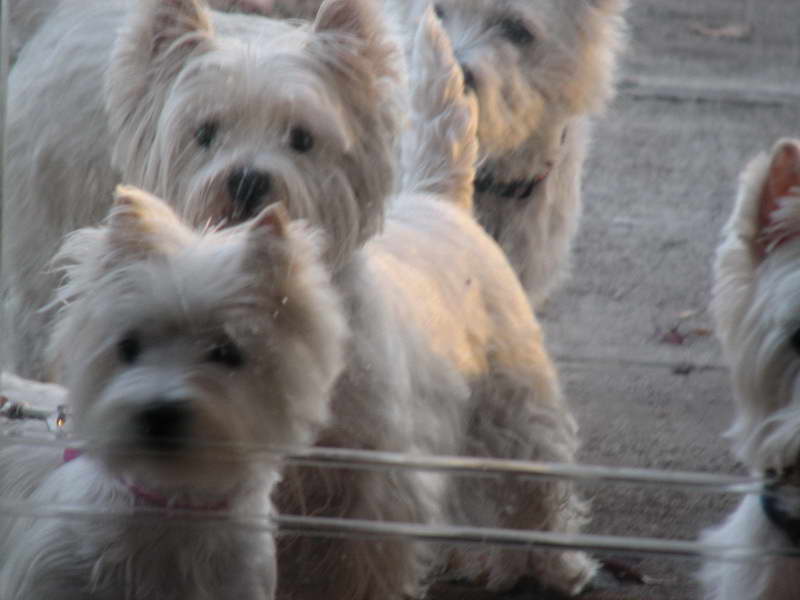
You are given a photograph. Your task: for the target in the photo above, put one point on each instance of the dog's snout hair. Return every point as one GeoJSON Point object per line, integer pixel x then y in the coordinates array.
{"type": "Point", "coordinates": [249, 190]}
{"type": "Point", "coordinates": [164, 424]}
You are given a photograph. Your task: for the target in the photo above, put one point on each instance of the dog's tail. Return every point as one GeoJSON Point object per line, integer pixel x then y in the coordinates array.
{"type": "Point", "coordinates": [440, 146]}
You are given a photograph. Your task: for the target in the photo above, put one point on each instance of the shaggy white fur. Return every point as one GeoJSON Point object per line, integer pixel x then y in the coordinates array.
{"type": "Point", "coordinates": [540, 70]}
{"type": "Point", "coordinates": [181, 351]}
{"type": "Point", "coordinates": [25, 16]}
{"type": "Point", "coordinates": [447, 358]}
{"type": "Point", "coordinates": [756, 305]}
{"type": "Point", "coordinates": [182, 102]}
{"type": "Point", "coordinates": [224, 114]}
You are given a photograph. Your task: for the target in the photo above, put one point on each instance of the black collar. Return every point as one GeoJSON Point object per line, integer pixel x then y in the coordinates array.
{"type": "Point", "coordinates": [519, 189]}
{"type": "Point", "coordinates": [777, 515]}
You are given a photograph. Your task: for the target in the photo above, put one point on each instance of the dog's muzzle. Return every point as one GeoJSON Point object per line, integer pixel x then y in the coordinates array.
{"type": "Point", "coordinates": [774, 505]}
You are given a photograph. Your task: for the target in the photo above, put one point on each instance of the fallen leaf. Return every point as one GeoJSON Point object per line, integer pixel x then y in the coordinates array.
{"type": "Point", "coordinates": [623, 572]}
{"type": "Point", "coordinates": [673, 337]}
{"type": "Point", "coordinates": [683, 369]}
{"type": "Point", "coordinates": [732, 31]}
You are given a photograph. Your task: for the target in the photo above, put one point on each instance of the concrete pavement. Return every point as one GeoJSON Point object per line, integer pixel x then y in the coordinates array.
{"type": "Point", "coordinates": [631, 328]}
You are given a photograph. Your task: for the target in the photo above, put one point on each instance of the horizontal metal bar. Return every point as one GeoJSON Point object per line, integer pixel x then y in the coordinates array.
{"type": "Point", "coordinates": [351, 528]}
{"type": "Point", "coordinates": [491, 467]}
{"type": "Point", "coordinates": [472, 466]}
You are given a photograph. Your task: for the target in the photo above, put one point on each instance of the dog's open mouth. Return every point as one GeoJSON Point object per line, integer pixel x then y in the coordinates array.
{"type": "Point", "coordinates": [519, 189]}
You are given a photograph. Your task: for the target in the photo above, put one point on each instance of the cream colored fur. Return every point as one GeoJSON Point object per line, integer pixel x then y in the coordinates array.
{"type": "Point", "coordinates": [239, 336]}
{"type": "Point", "coordinates": [446, 356]}
{"type": "Point", "coordinates": [448, 359]}
{"type": "Point", "coordinates": [136, 86]}
{"type": "Point", "coordinates": [536, 99]}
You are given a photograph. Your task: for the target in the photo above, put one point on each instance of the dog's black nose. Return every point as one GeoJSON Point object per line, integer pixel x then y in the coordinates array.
{"type": "Point", "coordinates": [469, 78]}
{"type": "Point", "coordinates": [164, 424]}
{"type": "Point", "coordinates": [248, 189]}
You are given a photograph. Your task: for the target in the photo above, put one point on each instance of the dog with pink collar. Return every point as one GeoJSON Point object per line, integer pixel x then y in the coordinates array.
{"type": "Point", "coordinates": [185, 355]}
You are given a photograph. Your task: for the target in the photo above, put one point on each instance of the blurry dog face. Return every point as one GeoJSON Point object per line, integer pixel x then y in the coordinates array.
{"type": "Point", "coordinates": [183, 350]}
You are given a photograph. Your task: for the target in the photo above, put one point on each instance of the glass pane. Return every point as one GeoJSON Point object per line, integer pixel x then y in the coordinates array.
{"type": "Point", "coordinates": [702, 86]}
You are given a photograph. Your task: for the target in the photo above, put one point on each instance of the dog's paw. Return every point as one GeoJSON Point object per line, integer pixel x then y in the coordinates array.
{"type": "Point", "coordinates": [571, 573]}
{"type": "Point", "coordinates": [25, 392]}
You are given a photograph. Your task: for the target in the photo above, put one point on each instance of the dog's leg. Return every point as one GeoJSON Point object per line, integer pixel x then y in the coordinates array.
{"type": "Point", "coordinates": [315, 567]}
{"type": "Point", "coordinates": [521, 417]}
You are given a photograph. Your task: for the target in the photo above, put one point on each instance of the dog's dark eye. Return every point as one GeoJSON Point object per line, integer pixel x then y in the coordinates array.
{"type": "Point", "coordinates": [516, 32]}
{"type": "Point", "coordinates": [439, 11]}
{"type": "Point", "coordinates": [226, 353]}
{"type": "Point", "coordinates": [129, 348]}
{"type": "Point", "coordinates": [300, 139]}
{"type": "Point", "coordinates": [794, 341]}
{"type": "Point", "coordinates": [206, 133]}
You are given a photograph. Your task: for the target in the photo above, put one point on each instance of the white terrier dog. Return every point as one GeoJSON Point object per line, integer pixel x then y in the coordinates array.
{"type": "Point", "coordinates": [447, 358]}
{"type": "Point", "coordinates": [538, 69]}
{"type": "Point", "coordinates": [181, 101]}
{"type": "Point", "coordinates": [180, 352]}
{"type": "Point", "coordinates": [756, 305]}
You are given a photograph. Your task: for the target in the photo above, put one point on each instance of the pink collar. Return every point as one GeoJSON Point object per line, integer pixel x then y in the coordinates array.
{"type": "Point", "coordinates": [154, 499]}
{"type": "Point", "coordinates": [71, 454]}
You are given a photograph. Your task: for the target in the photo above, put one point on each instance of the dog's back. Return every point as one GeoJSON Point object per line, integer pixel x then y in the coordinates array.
{"type": "Point", "coordinates": [452, 282]}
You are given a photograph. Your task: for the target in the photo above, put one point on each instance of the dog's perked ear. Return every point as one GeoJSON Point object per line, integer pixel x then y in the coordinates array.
{"type": "Point", "coordinates": [155, 44]}
{"type": "Point", "coordinates": [359, 21]}
{"type": "Point", "coordinates": [778, 215]}
{"type": "Point", "coordinates": [167, 27]}
{"type": "Point", "coordinates": [141, 225]}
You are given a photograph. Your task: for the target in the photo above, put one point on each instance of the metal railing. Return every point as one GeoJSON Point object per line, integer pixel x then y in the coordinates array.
{"type": "Point", "coordinates": [437, 532]}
